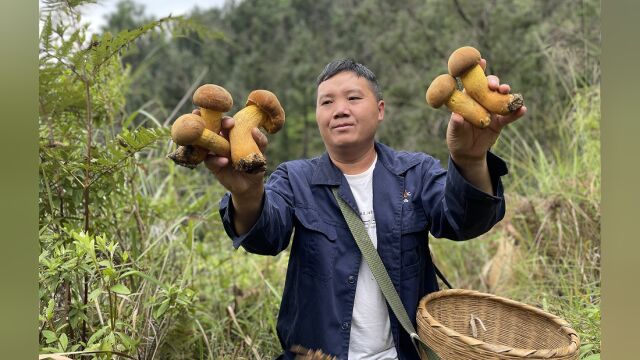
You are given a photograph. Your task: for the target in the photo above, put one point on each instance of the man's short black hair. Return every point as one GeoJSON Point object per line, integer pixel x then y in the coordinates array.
{"type": "Point", "coordinates": [337, 66]}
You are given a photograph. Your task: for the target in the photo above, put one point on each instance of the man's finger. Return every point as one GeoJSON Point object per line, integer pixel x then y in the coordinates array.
{"type": "Point", "coordinates": [216, 163]}
{"type": "Point", "coordinates": [456, 120]}
{"type": "Point", "coordinates": [504, 88]}
{"type": "Point", "coordinates": [494, 82]}
{"type": "Point", "coordinates": [260, 138]}
{"type": "Point", "coordinates": [508, 119]}
{"type": "Point", "coordinates": [227, 123]}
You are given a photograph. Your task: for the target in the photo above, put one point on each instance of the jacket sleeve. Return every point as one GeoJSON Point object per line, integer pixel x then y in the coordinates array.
{"type": "Point", "coordinates": [459, 210]}
{"type": "Point", "coordinates": [272, 231]}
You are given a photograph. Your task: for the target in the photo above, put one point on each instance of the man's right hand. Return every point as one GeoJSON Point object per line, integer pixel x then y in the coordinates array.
{"type": "Point", "coordinates": [246, 189]}
{"type": "Point", "coordinates": [237, 182]}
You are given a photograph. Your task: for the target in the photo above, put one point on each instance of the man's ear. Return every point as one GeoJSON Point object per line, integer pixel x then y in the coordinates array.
{"type": "Point", "coordinates": [380, 110]}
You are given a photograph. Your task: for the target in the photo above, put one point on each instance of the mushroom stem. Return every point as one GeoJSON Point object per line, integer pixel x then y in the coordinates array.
{"type": "Point", "coordinates": [443, 90]}
{"type": "Point", "coordinates": [212, 119]}
{"type": "Point", "coordinates": [469, 109]}
{"type": "Point", "coordinates": [213, 142]}
{"type": "Point", "coordinates": [464, 62]}
{"type": "Point", "coordinates": [245, 153]}
{"type": "Point", "coordinates": [189, 129]}
{"type": "Point", "coordinates": [476, 85]}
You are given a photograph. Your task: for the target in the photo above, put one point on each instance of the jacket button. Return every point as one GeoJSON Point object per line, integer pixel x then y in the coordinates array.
{"type": "Point", "coordinates": [345, 325]}
{"type": "Point", "coordinates": [352, 279]}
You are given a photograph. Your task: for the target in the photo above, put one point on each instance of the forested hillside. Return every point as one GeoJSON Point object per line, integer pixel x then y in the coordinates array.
{"type": "Point", "coordinates": [134, 261]}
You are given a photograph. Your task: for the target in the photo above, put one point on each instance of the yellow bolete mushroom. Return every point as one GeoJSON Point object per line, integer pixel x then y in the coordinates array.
{"type": "Point", "coordinates": [262, 109]}
{"type": "Point", "coordinates": [465, 64]}
{"type": "Point", "coordinates": [213, 100]}
{"type": "Point", "coordinates": [190, 130]}
{"type": "Point", "coordinates": [443, 90]}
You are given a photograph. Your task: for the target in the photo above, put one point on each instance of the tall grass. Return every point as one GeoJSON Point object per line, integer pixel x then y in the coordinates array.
{"type": "Point", "coordinates": [133, 261]}
{"type": "Point", "coordinates": [546, 251]}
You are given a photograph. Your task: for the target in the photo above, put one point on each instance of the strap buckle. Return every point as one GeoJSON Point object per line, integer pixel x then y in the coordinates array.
{"type": "Point", "coordinates": [419, 343]}
{"type": "Point", "coordinates": [415, 340]}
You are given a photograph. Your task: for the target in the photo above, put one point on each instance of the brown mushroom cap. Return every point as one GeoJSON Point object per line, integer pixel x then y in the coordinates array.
{"type": "Point", "coordinates": [268, 103]}
{"type": "Point", "coordinates": [463, 59]}
{"type": "Point", "coordinates": [187, 129]}
{"type": "Point", "coordinates": [214, 97]}
{"type": "Point", "coordinates": [440, 90]}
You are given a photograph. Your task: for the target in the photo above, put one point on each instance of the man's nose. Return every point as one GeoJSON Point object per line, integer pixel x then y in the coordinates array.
{"type": "Point", "coordinates": [341, 110]}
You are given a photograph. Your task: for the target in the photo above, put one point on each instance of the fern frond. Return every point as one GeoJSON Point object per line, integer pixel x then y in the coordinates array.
{"type": "Point", "coordinates": [103, 48]}
{"type": "Point", "coordinates": [61, 5]}
{"type": "Point", "coordinates": [123, 148]}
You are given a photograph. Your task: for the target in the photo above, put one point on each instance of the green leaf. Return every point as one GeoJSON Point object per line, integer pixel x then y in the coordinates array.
{"type": "Point", "coordinates": [50, 336]}
{"type": "Point", "coordinates": [150, 117]}
{"type": "Point", "coordinates": [50, 308]}
{"type": "Point", "coordinates": [592, 357]}
{"type": "Point", "coordinates": [109, 272]}
{"type": "Point", "coordinates": [129, 120]}
{"type": "Point", "coordinates": [126, 340]}
{"type": "Point", "coordinates": [94, 294]}
{"type": "Point", "coordinates": [105, 263]}
{"type": "Point", "coordinates": [161, 310]}
{"type": "Point", "coordinates": [120, 289]}
{"type": "Point", "coordinates": [64, 341]}
{"type": "Point", "coordinates": [97, 335]}
{"type": "Point", "coordinates": [189, 234]}
{"type": "Point", "coordinates": [145, 276]}
{"type": "Point", "coordinates": [47, 31]}
{"type": "Point", "coordinates": [584, 348]}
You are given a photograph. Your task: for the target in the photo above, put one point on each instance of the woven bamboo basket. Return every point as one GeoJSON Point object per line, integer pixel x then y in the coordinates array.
{"type": "Point", "coordinates": [463, 324]}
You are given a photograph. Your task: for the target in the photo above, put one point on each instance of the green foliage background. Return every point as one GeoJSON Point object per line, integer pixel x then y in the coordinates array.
{"type": "Point", "coordinates": [134, 262]}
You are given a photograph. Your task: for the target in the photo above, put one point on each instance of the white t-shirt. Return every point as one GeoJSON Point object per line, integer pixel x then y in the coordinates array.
{"type": "Point", "coordinates": [370, 326]}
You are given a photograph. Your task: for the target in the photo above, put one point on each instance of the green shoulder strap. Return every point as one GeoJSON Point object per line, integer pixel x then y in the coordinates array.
{"type": "Point", "coordinates": [374, 261]}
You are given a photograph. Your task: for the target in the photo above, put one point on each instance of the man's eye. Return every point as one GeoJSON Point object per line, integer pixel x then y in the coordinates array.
{"type": "Point", "coordinates": [325, 102]}
{"type": "Point", "coordinates": [354, 98]}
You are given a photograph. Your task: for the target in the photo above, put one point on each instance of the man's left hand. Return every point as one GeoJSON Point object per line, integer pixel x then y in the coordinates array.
{"type": "Point", "coordinates": [467, 144]}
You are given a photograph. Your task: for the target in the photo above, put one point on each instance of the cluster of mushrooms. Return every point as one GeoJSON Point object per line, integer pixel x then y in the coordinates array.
{"type": "Point", "coordinates": [477, 102]}
{"type": "Point", "coordinates": [199, 135]}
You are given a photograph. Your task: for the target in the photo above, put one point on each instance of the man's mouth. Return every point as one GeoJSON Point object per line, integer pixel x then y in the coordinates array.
{"type": "Point", "coordinates": [341, 125]}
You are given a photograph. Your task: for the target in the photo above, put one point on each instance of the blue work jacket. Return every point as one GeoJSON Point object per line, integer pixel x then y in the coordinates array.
{"type": "Point", "coordinates": [412, 196]}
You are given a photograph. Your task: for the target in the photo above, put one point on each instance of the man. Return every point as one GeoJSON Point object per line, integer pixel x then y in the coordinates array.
{"type": "Point", "coordinates": [331, 300]}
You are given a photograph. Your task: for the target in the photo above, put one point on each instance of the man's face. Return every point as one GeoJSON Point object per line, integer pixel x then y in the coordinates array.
{"type": "Point", "coordinates": [347, 111]}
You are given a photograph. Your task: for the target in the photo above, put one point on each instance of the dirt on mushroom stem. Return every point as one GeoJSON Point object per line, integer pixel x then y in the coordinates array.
{"type": "Point", "coordinates": [188, 156]}
{"type": "Point", "coordinates": [252, 164]}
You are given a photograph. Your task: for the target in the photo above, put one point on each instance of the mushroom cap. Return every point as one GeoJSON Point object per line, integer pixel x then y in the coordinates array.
{"type": "Point", "coordinates": [269, 104]}
{"type": "Point", "coordinates": [187, 129]}
{"type": "Point", "coordinates": [214, 97]}
{"type": "Point", "coordinates": [463, 59]}
{"type": "Point", "coordinates": [440, 90]}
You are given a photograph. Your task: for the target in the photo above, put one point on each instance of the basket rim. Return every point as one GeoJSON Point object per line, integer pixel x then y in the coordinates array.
{"type": "Point", "coordinates": [435, 325]}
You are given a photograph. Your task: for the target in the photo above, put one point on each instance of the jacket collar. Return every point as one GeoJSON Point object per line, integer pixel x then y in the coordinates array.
{"type": "Point", "coordinates": [326, 173]}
